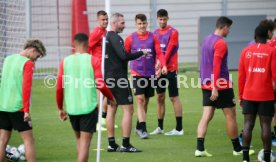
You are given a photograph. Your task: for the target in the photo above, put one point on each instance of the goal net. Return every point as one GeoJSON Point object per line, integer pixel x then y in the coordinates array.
{"type": "Point", "coordinates": [12, 27]}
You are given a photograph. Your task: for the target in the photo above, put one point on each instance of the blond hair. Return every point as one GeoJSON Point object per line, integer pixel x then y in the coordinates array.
{"type": "Point", "coordinates": [37, 44]}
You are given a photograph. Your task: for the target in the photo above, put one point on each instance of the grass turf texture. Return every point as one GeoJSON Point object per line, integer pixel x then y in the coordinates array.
{"type": "Point", "coordinates": [55, 141]}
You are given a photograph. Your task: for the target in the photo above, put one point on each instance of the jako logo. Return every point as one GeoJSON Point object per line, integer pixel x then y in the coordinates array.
{"type": "Point", "coordinates": [258, 70]}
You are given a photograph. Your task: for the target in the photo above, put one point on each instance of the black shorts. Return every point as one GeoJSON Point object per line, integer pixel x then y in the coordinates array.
{"type": "Point", "coordinates": [226, 98]}
{"type": "Point", "coordinates": [170, 81]}
{"type": "Point", "coordinates": [274, 96]}
{"type": "Point", "coordinates": [120, 89]}
{"type": "Point", "coordinates": [143, 86]}
{"type": "Point", "coordinates": [263, 108]}
{"type": "Point", "coordinates": [14, 120]}
{"type": "Point", "coordinates": [85, 123]}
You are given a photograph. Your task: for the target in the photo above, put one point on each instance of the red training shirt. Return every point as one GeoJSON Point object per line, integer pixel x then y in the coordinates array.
{"type": "Point", "coordinates": [159, 54]}
{"type": "Point", "coordinates": [173, 42]}
{"type": "Point", "coordinates": [27, 85]}
{"type": "Point", "coordinates": [95, 42]}
{"type": "Point", "coordinates": [257, 69]}
{"type": "Point", "coordinates": [220, 50]}
{"type": "Point", "coordinates": [272, 42]}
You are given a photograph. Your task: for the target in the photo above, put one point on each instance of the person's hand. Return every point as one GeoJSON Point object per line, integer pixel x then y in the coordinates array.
{"type": "Point", "coordinates": [145, 52]}
{"type": "Point", "coordinates": [113, 103]}
{"type": "Point", "coordinates": [27, 117]}
{"type": "Point", "coordinates": [240, 103]}
{"type": "Point", "coordinates": [62, 115]}
{"type": "Point", "coordinates": [214, 95]}
{"type": "Point", "coordinates": [157, 65]}
{"type": "Point", "coordinates": [158, 72]}
{"type": "Point", "coordinates": [164, 70]}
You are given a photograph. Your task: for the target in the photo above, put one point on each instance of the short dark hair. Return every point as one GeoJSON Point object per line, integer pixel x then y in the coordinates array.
{"type": "Point", "coordinates": [261, 32]}
{"type": "Point", "coordinates": [141, 17]}
{"type": "Point", "coordinates": [269, 24]}
{"type": "Point", "coordinates": [223, 21]}
{"type": "Point", "coordinates": [101, 12]}
{"type": "Point", "coordinates": [162, 13]}
{"type": "Point", "coordinates": [81, 38]}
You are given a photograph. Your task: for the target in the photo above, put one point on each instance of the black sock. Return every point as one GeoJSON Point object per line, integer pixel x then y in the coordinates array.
{"type": "Point", "coordinates": [267, 155]}
{"type": "Point", "coordinates": [160, 123]}
{"type": "Point", "coordinates": [111, 141]}
{"type": "Point", "coordinates": [236, 144]}
{"type": "Point", "coordinates": [143, 126]}
{"type": "Point", "coordinates": [241, 133]}
{"type": "Point", "coordinates": [245, 151]}
{"type": "Point", "coordinates": [126, 141]}
{"type": "Point", "coordinates": [138, 125]}
{"type": "Point", "coordinates": [179, 123]}
{"type": "Point", "coordinates": [104, 115]}
{"type": "Point", "coordinates": [200, 144]}
{"type": "Point", "coordinates": [274, 129]}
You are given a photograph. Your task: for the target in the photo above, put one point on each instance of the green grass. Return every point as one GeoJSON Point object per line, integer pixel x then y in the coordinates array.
{"type": "Point", "coordinates": [55, 140]}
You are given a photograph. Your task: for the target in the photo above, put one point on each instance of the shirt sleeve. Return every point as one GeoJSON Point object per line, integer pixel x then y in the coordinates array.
{"type": "Point", "coordinates": [118, 45]}
{"type": "Point", "coordinates": [172, 44]}
{"type": "Point", "coordinates": [94, 38]}
{"type": "Point", "coordinates": [241, 75]}
{"type": "Point", "coordinates": [159, 54]}
{"type": "Point", "coordinates": [27, 85]}
{"type": "Point", "coordinates": [96, 65]}
{"type": "Point", "coordinates": [59, 88]}
{"type": "Point", "coordinates": [220, 49]}
{"type": "Point", "coordinates": [273, 66]}
{"type": "Point", "coordinates": [128, 42]}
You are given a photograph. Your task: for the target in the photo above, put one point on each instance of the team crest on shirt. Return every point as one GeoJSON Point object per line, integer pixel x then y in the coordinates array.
{"type": "Point", "coordinates": [248, 55]}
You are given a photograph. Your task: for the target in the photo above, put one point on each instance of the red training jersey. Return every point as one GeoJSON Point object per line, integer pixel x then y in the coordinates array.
{"type": "Point", "coordinates": [96, 65]}
{"type": "Point", "coordinates": [257, 69]}
{"type": "Point", "coordinates": [272, 42]}
{"type": "Point", "coordinates": [220, 50]}
{"type": "Point", "coordinates": [95, 42]}
{"type": "Point", "coordinates": [172, 65]}
{"type": "Point", "coordinates": [159, 54]}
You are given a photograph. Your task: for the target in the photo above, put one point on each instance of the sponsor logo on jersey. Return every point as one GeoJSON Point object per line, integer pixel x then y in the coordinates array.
{"type": "Point", "coordinates": [258, 70]}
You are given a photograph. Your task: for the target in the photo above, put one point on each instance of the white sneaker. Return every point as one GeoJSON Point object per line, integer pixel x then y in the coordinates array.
{"type": "Point", "coordinates": [103, 128]}
{"type": "Point", "coordinates": [104, 123]}
{"type": "Point", "coordinates": [237, 153]}
{"type": "Point", "coordinates": [158, 130]}
{"type": "Point", "coordinates": [202, 154]}
{"type": "Point", "coordinates": [174, 132]}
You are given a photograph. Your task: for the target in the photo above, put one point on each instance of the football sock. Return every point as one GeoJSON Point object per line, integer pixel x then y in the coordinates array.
{"type": "Point", "coordinates": [104, 115]}
{"type": "Point", "coordinates": [179, 123]}
{"type": "Point", "coordinates": [236, 144]}
{"type": "Point", "coordinates": [160, 123]}
{"type": "Point", "coordinates": [200, 144]}
{"type": "Point", "coordinates": [126, 141]}
{"type": "Point", "coordinates": [143, 126]}
{"type": "Point", "coordinates": [138, 125]}
{"type": "Point", "coordinates": [111, 141]}
{"type": "Point", "coordinates": [245, 151]}
{"type": "Point", "coordinates": [274, 129]}
{"type": "Point", "coordinates": [267, 155]}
